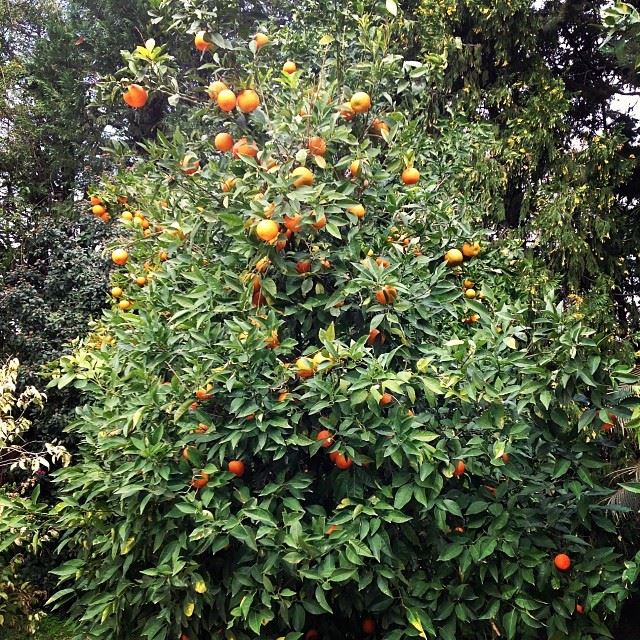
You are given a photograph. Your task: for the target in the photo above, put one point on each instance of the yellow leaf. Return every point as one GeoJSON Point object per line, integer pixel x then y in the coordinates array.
{"type": "Point", "coordinates": [200, 586]}
{"type": "Point", "coordinates": [189, 608]}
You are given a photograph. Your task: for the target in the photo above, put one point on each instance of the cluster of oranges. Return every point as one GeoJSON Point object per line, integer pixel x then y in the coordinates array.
{"type": "Point", "coordinates": [99, 209]}
{"type": "Point", "coordinates": [326, 439]}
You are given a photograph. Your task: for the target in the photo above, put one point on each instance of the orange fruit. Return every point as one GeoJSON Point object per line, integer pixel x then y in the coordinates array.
{"type": "Point", "coordinates": [347, 112]}
{"type": "Point", "coordinates": [136, 96]}
{"type": "Point", "coordinates": [331, 529]}
{"type": "Point", "coordinates": [468, 283]}
{"type": "Point", "coordinates": [385, 399]}
{"type": "Point", "coordinates": [386, 295]}
{"type": "Point", "coordinates": [125, 305]}
{"type": "Point", "coordinates": [317, 146]}
{"type": "Point", "coordinates": [260, 39]}
{"type": "Point", "coordinates": [368, 626]}
{"type": "Point", "coordinates": [185, 453]}
{"type": "Point", "coordinates": [305, 368]}
{"type": "Point", "coordinates": [272, 341]}
{"type": "Point", "coordinates": [472, 319]}
{"type": "Point", "coordinates": [200, 42]}
{"type": "Point", "coordinates": [215, 88]}
{"type": "Point", "coordinates": [267, 230]}
{"type": "Point", "coordinates": [263, 264]}
{"type": "Point", "coordinates": [200, 480]}
{"type": "Point", "coordinates": [470, 250]}
{"type": "Point", "coordinates": [248, 101]}
{"type": "Point", "coordinates": [228, 184]}
{"type": "Point", "coordinates": [470, 293]}
{"type": "Point", "coordinates": [453, 257]}
{"type": "Point", "coordinates": [293, 223]}
{"type": "Point", "coordinates": [326, 437]}
{"type": "Point", "coordinates": [116, 292]}
{"type": "Point", "coordinates": [382, 262]}
{"type": "Point", "coordinates": [95, 200]}
{"type": "Point", "coordinates": [98, 210]}
{"type": "Point", "coordinates": [357, 210]}
{"type": "Point", "coordinates": [303, 266]}
{"type": "Point", "coordinates": [201, 428]}
{"type": "Point", "coordinates": [244, 148]}
{"type": "Point", "coordinates": [303, 177]}
{"type": "Point", "coordinates": [459, 468]}
{"type": "Point", "coordinates": [223, 142]}
{"type": "Point", "coordinates": [607, 426]}
{"type": "Point", "coordinates": [119, 256]}
{"type": "Point", "coordinates": [360, 102]}
{"type": "Point", "coordinates": [410, 176]}
{"type": "Point", "coordinates": [141, 281]}
{"type": "Point", "coordinates": [342, 462]}
{"type": "Point", "coordinates": [354, 168]}
{"type": "Point", "coordinates": [562, 562]}
{"type": "Point", "coordinates": [505, 457]}
{"type": "Point", "coordinates": [126, 216]}
{"type": "Point", "coordinates": [203, 394]}
{"type": "Point", "coordinates": [190, 164]}
{"type": "Point", "coordinates": [236, 467]}
{"type": "Point", "coordinates": [378, 126]}
{"type": "Point", "coordinates": [289, 67]}
{"type": "Point", "coordinates": [579, 608]}
{"type": "Point", "coordinates": [320, 222]}
{"type": "Point", "coordinates": [227, 100]}
{"type": "Point", "coordinates": [283, 395]}
{"type": "Point", "coordinates": [373, 336]}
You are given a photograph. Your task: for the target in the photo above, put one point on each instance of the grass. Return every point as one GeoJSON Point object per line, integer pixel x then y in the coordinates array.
{"type": "Point", "coordinates": [52, 628]}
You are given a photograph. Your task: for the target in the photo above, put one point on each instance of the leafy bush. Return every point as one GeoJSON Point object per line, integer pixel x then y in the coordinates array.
{"type": "Point", "coordinates": [466, 420]}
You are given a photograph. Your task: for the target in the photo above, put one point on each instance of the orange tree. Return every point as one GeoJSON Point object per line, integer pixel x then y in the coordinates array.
{"type": "Point", "coordinates": [324, 402]}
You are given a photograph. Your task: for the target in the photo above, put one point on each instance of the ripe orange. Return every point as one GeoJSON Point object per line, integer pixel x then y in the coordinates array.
{"type": "Point", "coordinates": [119, 256]}
{"type": "Point", "coordinates": [293, 223]}
{"type": "Point", "coordinates": [190, 164]}
{"type": "Point", "coordinates": [200, 480]}
{"type": "Point", "coordinates": [562, 562]}
{"type": "Point", "coordinates": [368, 626]}
{"type": "Point", "coordinates": [136, 96]}
{"type": "Point", "coordinates": [185, 453]}
{"type": "Point", "coordinates": [470, 293]}
{"type": "Point", "coordinates": [227, 100]}
{"type": "Point", "coordinates": [378, 126]}
{"type": "Point", "coordinates": [223, 142]}
{"type": "Point", "coordinates": [357, 210]}
{"type": "Point", "coordinates": [347, 112]}
{"type": "Point", "coordinates": [410, 176]}
{"type": "Point", "coordinates": [215, 88]}
{"type": "Point", "coordinates": [470, 250]}
{"type": "Point", "coordinates": [505, 457]}
{"type": "Point", "coordinates": [579, 608]}
{"type": "Point", "coordinates": [386, 399]}
{"type": "Point", "coordinates": [267, 230]}
{"type": "Point", "coordinates": [289, 67]}
{"type": "Point", "coordinates": [98, 210]}
{"type": "Point", "coordinates": [260, 39]}
{"type": "Point", "coordinates": [342, 462]}
{"type": "Point", "coordinates": [141, 281]}
{"type": "Point", "coordinates": [201, 428]}
{"type": "Point", "coordinates": [453, 257]}
{"type": "Point", "coordinates": [382, 262]}
{"type": "Point", "coordinates": [244, 148]}
{"type": "Point", "coordinates": [459, 529]}
{"type": "Point", "coordinates": [326, 437]}
{"type": "Point", "coordinates": [203, 394]}
{"type": "Point", "coordinates": [459, 469]}
{"type": "Point", "coordinates": [317, 146]}
{"type": "Point", "coordinates": [116, 292]}
{"type": "Point", "coordinates": [607, 426]}
{"type": "Point", "coordinates": [373, 336]}
{"type": "Point", "coordinates": [200, 42]}
{"type": "Point", "coordinates": [305, 368]}
{"type": "Point", "coordinates": [123, 199]}
{"type": "Point", "coordinates": [468, 283]}
{"type": "Point", "coordinates": [320, 222]}
{"type": "Point", "coordinates": [95, 200]}
{"type": "Point", "coordinates": [303, 266]}
{"type": "Point", "coordinates": [360, 102]}
{"type": "Point", "coordinates": [354, 168]}
{"type": "Point", "coordinates": [303, 177]}
{"type": "Point", "coordinates": [236, 467]}
{"type": "Point", "coordinates": [125, 305]}
{"type": "Point", "coordinates": [272, 341]}
{"type": "Point", "coordinates": [472, 319]}
{"type": "Point", "coordinates": [248, 101]}
{"type": "Point", "coordinates": [283, 395]}
{"type": "Point", "coordinates": [386, 295]}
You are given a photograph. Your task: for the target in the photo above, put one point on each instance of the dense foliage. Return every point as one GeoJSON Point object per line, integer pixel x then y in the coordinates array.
{"type": "Point", "coordinates": [263, 298]}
